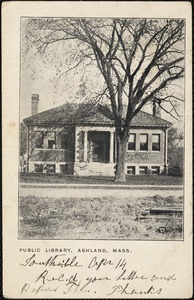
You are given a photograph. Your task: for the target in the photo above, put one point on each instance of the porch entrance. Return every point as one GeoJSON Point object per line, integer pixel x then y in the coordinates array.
{"type": "Point", "coordinates": [99, 146]}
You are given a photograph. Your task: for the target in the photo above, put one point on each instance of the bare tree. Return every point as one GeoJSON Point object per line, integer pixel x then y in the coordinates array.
{"type": "Point", "coordinates": [137, 59]}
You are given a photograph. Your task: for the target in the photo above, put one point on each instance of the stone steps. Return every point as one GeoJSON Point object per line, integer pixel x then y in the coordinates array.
{"type": "Point", "coordinates": [95, 169]}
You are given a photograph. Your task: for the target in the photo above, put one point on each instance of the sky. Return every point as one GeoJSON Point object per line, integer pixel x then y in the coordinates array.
{"type": "Point", "coordinates": [44, 76]}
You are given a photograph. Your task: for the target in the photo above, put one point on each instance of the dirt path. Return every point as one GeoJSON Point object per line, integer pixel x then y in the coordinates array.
{"type": "Point", "coordinates": [91, 192]}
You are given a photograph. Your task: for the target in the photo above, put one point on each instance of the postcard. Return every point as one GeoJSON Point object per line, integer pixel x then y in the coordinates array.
{"type": "Point", "coordinates": [97, 150]}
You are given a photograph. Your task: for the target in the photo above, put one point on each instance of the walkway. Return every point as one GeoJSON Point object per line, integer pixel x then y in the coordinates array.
{"type": "Point", "coordinates": [94, 190]}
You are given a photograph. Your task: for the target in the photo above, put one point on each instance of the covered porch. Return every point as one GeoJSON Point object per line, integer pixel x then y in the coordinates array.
{"type": "Point", "coordinates": [94, 151]}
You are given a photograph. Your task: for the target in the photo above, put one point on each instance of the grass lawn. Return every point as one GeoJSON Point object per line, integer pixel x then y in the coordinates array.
{"type": "Point", "coordinates": [130, 180]}
{"type": "Point", "coordinates": [97, 218]}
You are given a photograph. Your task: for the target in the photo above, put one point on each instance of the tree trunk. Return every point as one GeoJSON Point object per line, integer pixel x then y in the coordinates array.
{"type": "Point", "coordinates": [120, 163]}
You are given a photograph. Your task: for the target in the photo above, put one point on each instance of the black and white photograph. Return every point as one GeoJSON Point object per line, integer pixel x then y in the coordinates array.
{"type": "Point", "coordinates": [97, 149]}
{"type": "Point", "coordinates": [102, 128]}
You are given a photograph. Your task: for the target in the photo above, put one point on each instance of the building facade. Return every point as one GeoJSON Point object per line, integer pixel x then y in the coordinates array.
{"type": "Point", "coordinates": [64, 140]}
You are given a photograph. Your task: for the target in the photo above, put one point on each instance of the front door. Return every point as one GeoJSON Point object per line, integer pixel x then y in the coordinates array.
{"type": "Point", "coordinates": [99, 143]}
{"type": "Point", "coordinates": [100, 151]}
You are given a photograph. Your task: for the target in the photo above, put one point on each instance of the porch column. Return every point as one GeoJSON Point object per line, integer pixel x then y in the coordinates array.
{"type": "Point", "coordinates": [111, 146]}
{"type": "Point", "coordinates": [27, 151]}
{"type": "Point", "coordinates": [85, 144]}
{"type": "Point", "coordinates": [166, 151]}
{"type": "Point", "coordinates": [76, 144]}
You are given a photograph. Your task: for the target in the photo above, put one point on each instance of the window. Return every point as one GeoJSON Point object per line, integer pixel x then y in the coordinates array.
{"type": "Point", "coordinates": [155, 170]}
{"type": "Point", "coordinates": [50, 168]}
{"type": "Point", "coordinates": [38, 168]}
{"type": "Point", "coordinates": [155, 142]}
{"type": "Point", "coordinates": [130, 170]}
{"type": "Point", "coordinates": [38, 139]}
{"type": "Point", "coordinates": [64, 169]}
{"type": "Point", "coordinates": [143, 170]}
{"type": "Point", "coordinates": [143, 142]}
{"type": "Point", "coordinates": [50, 138]}
{"type": "Point", "coordinates": [64, 141]}
{"type": "Point", "coordinates": [131, 142]}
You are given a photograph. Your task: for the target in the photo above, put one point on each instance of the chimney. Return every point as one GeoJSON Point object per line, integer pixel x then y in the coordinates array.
{"type": "Point", "coordinates": [156, 109]}
{"type": "Point", "coordinates": [34, 104]}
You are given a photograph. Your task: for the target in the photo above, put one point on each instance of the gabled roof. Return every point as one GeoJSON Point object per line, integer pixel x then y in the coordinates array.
{"type": "Point", "coordinates": [76, 114]}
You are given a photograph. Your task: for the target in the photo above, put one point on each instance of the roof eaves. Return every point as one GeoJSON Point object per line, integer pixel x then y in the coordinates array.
{"type": "Point", "coordinates": [152, 126]}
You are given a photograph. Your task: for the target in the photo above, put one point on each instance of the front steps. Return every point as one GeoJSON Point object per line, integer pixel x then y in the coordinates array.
{"type": "Point", "coordinates": [93, 169]}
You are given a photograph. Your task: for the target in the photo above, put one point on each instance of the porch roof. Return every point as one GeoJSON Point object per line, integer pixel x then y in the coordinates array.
{"type": "Point", "coordinates": [76, 114]}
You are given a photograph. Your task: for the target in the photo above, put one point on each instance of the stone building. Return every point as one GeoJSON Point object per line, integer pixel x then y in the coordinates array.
{"type": "Point", "coordinates": [70, 140]}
